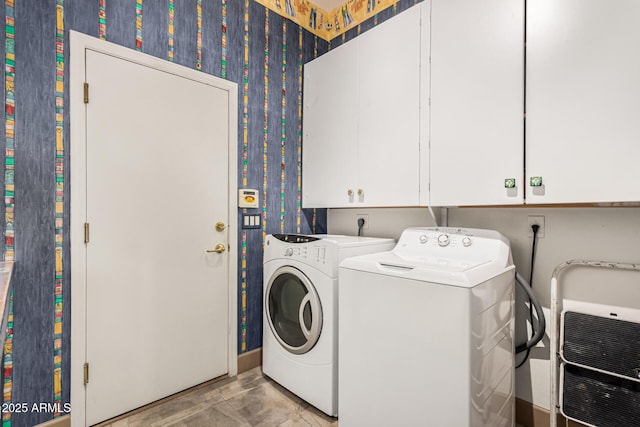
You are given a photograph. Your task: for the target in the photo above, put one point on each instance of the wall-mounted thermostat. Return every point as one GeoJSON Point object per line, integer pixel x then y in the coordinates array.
{"type": "Point", "coordinates": [248, 198]}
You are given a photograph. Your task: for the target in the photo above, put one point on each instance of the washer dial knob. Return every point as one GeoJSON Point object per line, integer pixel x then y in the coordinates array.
{"type": "Point", "coordinates": [443, 240]}
{"type": "Point", "coordinates": [466, 241]}
{"type": "Point", "coordinates": [288, 252]}
{"type": "Point", "coordinates": [423, 238]}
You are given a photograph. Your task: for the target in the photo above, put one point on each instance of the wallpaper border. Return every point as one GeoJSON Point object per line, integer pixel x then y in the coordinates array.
{"type": "Point", "coordinates": [328, 24]}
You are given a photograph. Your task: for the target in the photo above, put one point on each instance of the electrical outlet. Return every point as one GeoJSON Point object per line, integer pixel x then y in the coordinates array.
{"type": "Point", "coordinates": [535, 219]}
{"type": "Point", "coordinates": [366, 221]}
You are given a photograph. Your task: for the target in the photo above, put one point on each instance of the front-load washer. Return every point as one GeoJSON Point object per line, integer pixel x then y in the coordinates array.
{"type": "Point", "coordinates": [426, 332]}
{"type": "Point", "coordinates": [300, 336]}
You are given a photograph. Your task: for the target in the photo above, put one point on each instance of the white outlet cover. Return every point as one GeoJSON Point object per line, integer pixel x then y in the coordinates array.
{"type": "Point", "coordinates": [366, 220]}
{"type": "Point", "coordinates": [535, 219]}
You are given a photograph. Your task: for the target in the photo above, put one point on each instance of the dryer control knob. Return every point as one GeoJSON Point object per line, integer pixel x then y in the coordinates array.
{"type": "Point", "coordinates": [423, 238]}
{"type": "Point", "coordinates": [288, 252]}
{"type": "Point", "coordinates": [466, 241]}
{"type": "Point", "coordinates": [443, 240]}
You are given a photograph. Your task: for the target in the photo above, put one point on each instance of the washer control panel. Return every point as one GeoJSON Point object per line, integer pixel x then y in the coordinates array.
{"type": "Point", "coordinates": [445, 239]}
{"type": "Point", "coordinates": [438, 237]}
{"type": "Point", "coordinates": [446, 248]}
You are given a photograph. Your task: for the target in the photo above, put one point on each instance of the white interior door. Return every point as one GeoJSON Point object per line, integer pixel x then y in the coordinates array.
{"type": "Point", "coordinates": [157, 182]}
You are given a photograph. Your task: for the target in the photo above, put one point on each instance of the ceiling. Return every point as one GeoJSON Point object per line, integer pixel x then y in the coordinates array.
{"type": "Point", "coordinates": [328, 5]}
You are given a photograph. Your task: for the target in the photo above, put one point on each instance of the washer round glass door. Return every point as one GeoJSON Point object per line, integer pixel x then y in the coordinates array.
{"type": "Point", "coordinates": [293, 308]}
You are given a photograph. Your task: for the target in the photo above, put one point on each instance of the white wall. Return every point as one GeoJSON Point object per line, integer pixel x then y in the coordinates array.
{"type": "Point", "coordinates": [387, 222]}
{"type": "Point", "coordinates": [603, 233]}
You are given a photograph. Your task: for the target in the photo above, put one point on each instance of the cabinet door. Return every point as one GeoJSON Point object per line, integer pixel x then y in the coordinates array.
{"type": "Point", "coordinates": [425, 101]}
{"type": "Point", "coordinates": [330, 126]}
{"type": "Point", "coordinates": [583, 108]}
{"type": "Point", "coordinates": [389, 108]}
{"type": "Point", "coordinates": [477, 90]}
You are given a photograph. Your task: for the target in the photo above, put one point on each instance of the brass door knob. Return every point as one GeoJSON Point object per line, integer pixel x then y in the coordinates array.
{"type": "Point", "coordinates": [220, 226]}
{"type": "Point", "coordinates": [218, 249]}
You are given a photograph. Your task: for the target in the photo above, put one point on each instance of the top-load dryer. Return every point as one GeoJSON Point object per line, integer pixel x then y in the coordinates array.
{"type": "Point", "coordinates": [426, 332]}
{"type": "Point", "coordinates": [300, 335]}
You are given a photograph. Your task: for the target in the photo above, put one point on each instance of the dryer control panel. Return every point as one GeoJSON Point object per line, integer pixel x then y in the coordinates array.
{"type": "Point", "coordinates": [310, 250]}
{"type": "Point", "coordinates": [295, 238]}
{"type": "Point", "coordinates": [322, 252]}
{"type": "Point", "coordinates": [300, 247]}
{"type": "Point", "coordinates": [306, 252]}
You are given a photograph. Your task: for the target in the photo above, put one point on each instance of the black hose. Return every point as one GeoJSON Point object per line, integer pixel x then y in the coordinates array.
{"type": "Point", "coordinates": [539, 331]}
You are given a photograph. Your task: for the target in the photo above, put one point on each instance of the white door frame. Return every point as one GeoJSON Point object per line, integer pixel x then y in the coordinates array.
{"type": "Point", "coordinates": [79, 44]}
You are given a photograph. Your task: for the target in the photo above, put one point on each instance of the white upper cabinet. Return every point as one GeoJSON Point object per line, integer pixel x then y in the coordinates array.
{"type": "Point", "coordinates": [330, 128]}
{"type": "Point", "coordinates": [389, 109]}
{"type": "Point", "coordinates": [477, 102]}
{"type": "Point", "coordinates": [428, 108]}
{"type": "Point", "coordinates": [361, 122]}
{"type": "Point", "coordinates": [583, 100]}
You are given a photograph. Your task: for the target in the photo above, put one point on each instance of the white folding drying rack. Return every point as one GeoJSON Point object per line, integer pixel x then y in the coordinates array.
{"type": "Point", "coordinates": [554, 332]}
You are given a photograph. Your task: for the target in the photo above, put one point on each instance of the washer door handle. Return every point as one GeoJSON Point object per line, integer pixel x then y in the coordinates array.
{"type": "Point", "coordinates": [303, 304]}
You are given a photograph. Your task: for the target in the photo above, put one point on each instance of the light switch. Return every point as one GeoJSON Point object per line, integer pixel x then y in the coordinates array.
{"type": "Point", "coordinates": [250, 220]}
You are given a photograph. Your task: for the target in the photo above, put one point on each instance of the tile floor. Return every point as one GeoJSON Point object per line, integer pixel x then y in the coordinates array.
{"type": "Point", "coordinates": [248, 400]}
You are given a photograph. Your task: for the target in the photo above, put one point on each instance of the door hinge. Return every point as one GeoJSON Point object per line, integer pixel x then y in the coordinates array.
{"type": "Point", "coordinates": [86, 93]}
{"type": "Point", "coordinates": [86, 373]}
{"type": "Point", "coordinates": [86, 232]}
